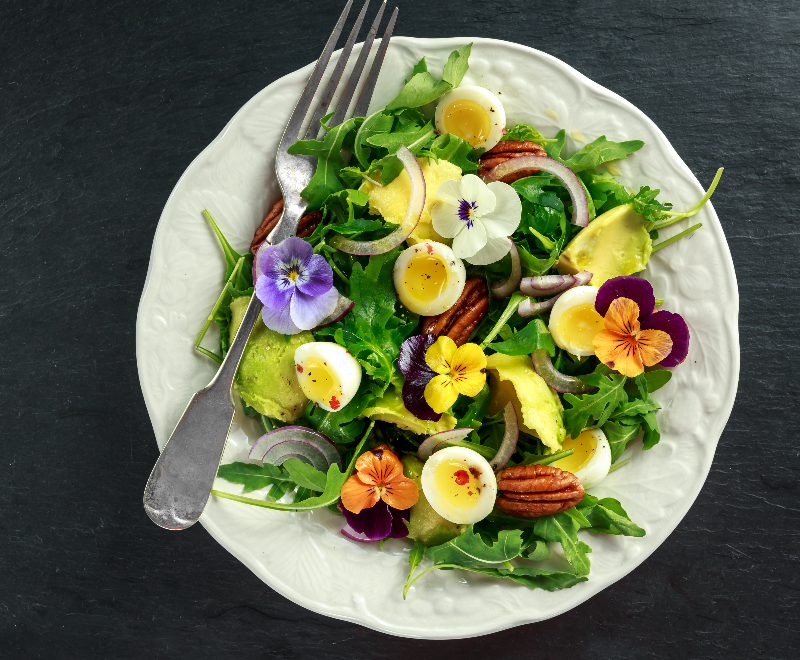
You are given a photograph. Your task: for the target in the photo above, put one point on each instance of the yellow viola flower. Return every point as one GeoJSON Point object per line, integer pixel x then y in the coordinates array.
{"type": "Point", "coordinates": [461, 369]}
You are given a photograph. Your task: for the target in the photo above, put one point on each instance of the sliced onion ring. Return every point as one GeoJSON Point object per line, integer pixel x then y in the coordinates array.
{"type": "Point", "coordinates": [505, 289]}
{"type": "Point", "coordinates": [429, 444]}
{"type": "Point", "coordinates": [580, 207]}
{"type": "Point", "coordinates": [415, 205]}
{"type": "Point", "coordinates": [549, 285]}
{"type": "Point", "coordinates": [510, 437]}
{"type": "Point", "coordinates": [555, 379]}
{"type": "Point", "coordinates": [343, 306]}
{"type": "Point", "coordinates": [528, 308]}
{"type": "Point", "coordinates": [288, 442]}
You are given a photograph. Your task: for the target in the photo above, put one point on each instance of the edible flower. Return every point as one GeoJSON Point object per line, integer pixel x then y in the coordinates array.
{"type": "Point", "coordinates": [635, 335]}
{"type": "Point", "coordinates": [479, 217]}
{"type": "Point", "coordinates": [379, 477]}
{"type": "Point", "coordinates": [411, 362]}
{"type": "Point", "coordinates": [295, 286]}
{"type": "Point", "coordinates": [376, 523]}
{"type": "Point", "coordinates": [460, 369]}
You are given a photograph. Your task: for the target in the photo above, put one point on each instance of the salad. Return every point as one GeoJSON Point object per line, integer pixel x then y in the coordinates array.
{"type": "Point", "coordinates": [455, 348]}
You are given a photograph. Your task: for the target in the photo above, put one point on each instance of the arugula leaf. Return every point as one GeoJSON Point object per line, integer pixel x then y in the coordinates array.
{"type": "Point", "coordinates": [524, 133]}
{"type": "Point", "coordinates": [421, 89]}
{"type": "Point", "coordinates": [534, 265]}
{"type": "Point", "coordinates": [597, 405]}
{"type": "Point", "coordinates": [325, 181]}
{"type": "Point", "coordinates": [533, 336]}
{"type": "Point", "coordinates": [452, 148]}
{"type": "Point", "coordinates": [469, 549]}
{"type": "Point", "coordinates": [608, 517]}
{"type": "Point", "coordinates": [255, 477]}
{"type": "Point", "coordinates": [535, 548]}
{"type": "Point", "coordinates": [601, 151]}
{"type": "Point", "coordinates": [342, 426]}
{"type": "Point", "coordinates": [419, 67]}
{"type": "Point", "coordinates": [417, 553]}
{"type": "Point", "coordinates": [375, 124]}
{"type": "Point", "coordinates": [564, 529]}
{"type": "Point", "coordinates": [305, 475]}
{"type": "Point", "coordinates": [652, 435]}
{"type": "Point", "coordinates": [371, 331]}
{"type": "Point", "coordinates": [657, 379]}
{"type": "Point", "coordinates": [619, 435]}
{"type": "Point", "coordinates": [476, 410]}
{"type": "Point", "coordinates": [554, 148]}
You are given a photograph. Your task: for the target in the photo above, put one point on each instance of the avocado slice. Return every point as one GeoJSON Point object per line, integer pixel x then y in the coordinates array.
{"type": "Point", "coordinates": [390, 408]}
{"type": "Point", "coordinates": [615, 243]}
{"type": "Point", "coordinates": [267, 380]}
{"type": "Point", "coordinates": [425, 525]}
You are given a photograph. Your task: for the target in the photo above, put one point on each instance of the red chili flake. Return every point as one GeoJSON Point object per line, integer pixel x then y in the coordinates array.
{"type": "Point", "coordinates": [430, 248]}
{"type": "Point", "coordinates": [299, 369]}
{"type": "Point", "coordinates": [461, 477]}
{"type": "Point", "coordinates": [334, 403]}
{"type": "Point", "coordinates": [475, 472]}
{"type": "Point", "coordinates": [469, 492]}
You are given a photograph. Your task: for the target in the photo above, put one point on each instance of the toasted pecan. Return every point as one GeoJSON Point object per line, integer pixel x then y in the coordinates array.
{"type": "Point", "coordinates": [461, 319]}
{"type": "Point", "coordinates": [308, 223]}
{"type": "Point", "coordinates": [537, 490]}
{"type": "Point", "coordinates": [506, 150]}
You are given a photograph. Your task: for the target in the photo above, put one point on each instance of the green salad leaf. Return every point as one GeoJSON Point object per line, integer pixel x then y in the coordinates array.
{"type": "Point", "coordinates": [532, 337]}
{"type": "Point", "coordinates": [563, 529]}
{"type": "Point", "coordinates": [607, 516]}
{"type": "Point", "coordinates": [597, 405]}
{"type": "Point", "coordinates": [525, 133]}
{"type": "Point", "coordinates": [469, 549]}
{"type": "Point", "coordinates": [255, 477]}
{"type": "Point", "coordinates": [601, 151]}
{"type": "Point", "coordinates": [423, 88]}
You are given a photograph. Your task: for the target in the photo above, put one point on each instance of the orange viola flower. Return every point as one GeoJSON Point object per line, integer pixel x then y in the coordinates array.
{"type": "Point", "coordinates": [379, 476]}
{"type": "Point", "coordinates": [624, 346]}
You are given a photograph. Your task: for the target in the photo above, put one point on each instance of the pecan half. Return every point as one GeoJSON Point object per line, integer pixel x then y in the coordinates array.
{"type": "Point", "coordinates": [308, 223]}
{"type": "Point", "coordinates": [506, 150]}
{"type": "Point", "coordinates": [461, 319]}
{"type": "Point", "coordinates": [530, 491]}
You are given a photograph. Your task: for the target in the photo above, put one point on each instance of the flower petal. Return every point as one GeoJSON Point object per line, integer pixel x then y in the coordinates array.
{"type": "Point", "coordinates": [473, 189]}
{"type": "Point", "coordinates": [274, 292]}
{"type": "Point", "coordinates": [622, 316]}
{"type": "Point", "coordinates": [618, 351]}
{"type": "Point", "coordinates": [449, 192]}
{"type": "Point", "coordinates": [626, 286]}
{"type": "Point", "coordinates": [505, 218]}
{"type": "Point", "coordinates": [307, 311]}
{"type": "Point", "coordinates": [415, 403]}
{"type": "Point", "coordinates": [411, 362]}
{"type": "Point", "coordinates": [674, 325]}
{"type": "Point", "coordinates": [401, 493]}
{"type": "Point", "coordinates": [654, 346]}
{"type": "Point", "coordinates": [494, 250]}
{"type": "Point", "coordinates": [440, 393]}
{"type": "Point", "coordinates": [439, 356]}
{"type": "Point", "coordinates": [468, 358]}
{"type": "Point", "coordinates": [446, 220]}
{"type": "Point", "coordinates": [295, 249]}
{"type": "Point", "coordinates": [357, 496]}
{"type": "Point", "coordinates": [279, 320]}
{"type": "Point", "coordinates": [316, 276]}
{"type": "Point", "coordinates": [378, 466]}
{"type": "Point", "coordinates": [399, 527]}
{"type": "Point", "coordinates": [374, 522]}
{"type": "Point", "coordinates": [469, 240]}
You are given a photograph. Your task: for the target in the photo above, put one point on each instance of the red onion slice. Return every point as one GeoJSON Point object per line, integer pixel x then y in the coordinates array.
{"type": "Point", "coordinates": [343, 306]}
{"type": "Point", "coordinates": [510, 437]}
{"type": "Point", "coordinates": [555, 379]}
{"type": "Point", "coordinates": [505, 289]}
{"type": "Point", "coordinates": [287, 442]}
{"type": "Point", "coordinates": [429, 444]}
{"type": "Point", "coordinates": [549, 285]}
{"type": "Point", "coordinates": [580, 207]}
{"type": "Point", "coordinates": [353, 535]}
{"type": "Point", "coordinates": [528, 308]}
{"type": "Point", "coordinates": [415, 205]}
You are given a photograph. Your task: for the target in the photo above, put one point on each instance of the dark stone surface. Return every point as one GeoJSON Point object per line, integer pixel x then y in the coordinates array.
{"type": "Point", "coordinates": [102, 107]}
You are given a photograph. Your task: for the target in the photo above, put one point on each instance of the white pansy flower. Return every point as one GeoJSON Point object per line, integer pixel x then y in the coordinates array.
{"type": "Point", "coordinates": [479, 217]}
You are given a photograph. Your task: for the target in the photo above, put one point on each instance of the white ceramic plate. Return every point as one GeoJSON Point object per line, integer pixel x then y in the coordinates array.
{"type": "Point", "coordinates": [303, 556]}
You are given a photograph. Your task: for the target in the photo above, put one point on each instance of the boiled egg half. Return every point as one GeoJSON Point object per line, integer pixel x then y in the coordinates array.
{"type": "Point", "coordinates": [459, 484]}
{"type": "Point", "coordinates": [472, 113]}
{"type": "Point", "coordinates": [429, 278]}
{"type": "Point", "coordinates": [574, 321]}
{"type": "Point", "coordinates": [328, 374]}
{"type": "Point", "coordinates": [590, 460]}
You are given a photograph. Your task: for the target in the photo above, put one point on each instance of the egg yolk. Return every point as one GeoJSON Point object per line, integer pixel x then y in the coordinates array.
{"type": "Point", "coordinates": [584, 448]}
{"type": "Point", "coordinates": [319, 383]}
{"type": "Point", "coordinates": [458, 483]}
{"type": "Point", "coordinates": [425, 277]}
{"type": "Point", "coordinates": [468, 120]}
{"type": "Point", "coordinates": [578, 326]}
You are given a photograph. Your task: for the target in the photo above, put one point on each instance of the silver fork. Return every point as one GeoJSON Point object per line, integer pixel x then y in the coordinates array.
{"type": "Point", "coordinates": [180, 483]}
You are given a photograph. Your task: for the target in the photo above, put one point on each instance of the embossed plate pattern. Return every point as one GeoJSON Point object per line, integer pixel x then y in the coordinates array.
{"type": "Point", "coordinates": [303, 556]}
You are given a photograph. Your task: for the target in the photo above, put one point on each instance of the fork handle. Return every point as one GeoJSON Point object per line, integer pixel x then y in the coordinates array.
{"type": "Point", "coordinates": [181, 481]}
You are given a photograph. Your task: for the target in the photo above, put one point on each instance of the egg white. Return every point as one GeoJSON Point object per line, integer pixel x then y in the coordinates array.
{"type": "Point", "coordinates": [578, 295]}
{"type": "Point", "coordinates": [456, 278]}
{"type": "Point", "coordinates": [484, 98]}
{"type": "Point", "coordinates": [344, 368]}
{"type": "Point", "coordinates": [598, 466]}
{"type": "Point", "coordinates": [445, 509]}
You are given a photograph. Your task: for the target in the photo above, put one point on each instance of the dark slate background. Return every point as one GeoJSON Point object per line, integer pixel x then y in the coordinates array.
{"type": "Point", "coordinates": [102, 107]}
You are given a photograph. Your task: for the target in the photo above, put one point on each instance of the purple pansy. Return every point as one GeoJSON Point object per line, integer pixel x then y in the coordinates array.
{"type": "Point", "coordinates": [295, 286]}
{"type": "Point", "coordinates": [641, 292]}
{"type": "Point", "coordinates": [376, 523]}
{"type": "Point", "coordinates": [411, 362]}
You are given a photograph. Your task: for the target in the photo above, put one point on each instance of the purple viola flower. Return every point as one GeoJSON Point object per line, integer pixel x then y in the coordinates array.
{"type": "Point", "coordinates": [411, 362]}
{"type": "Point", "coordinates": [375, 523]}
{"type": "Point", "coordinates": [640, 291]}
{"type": "Point", "coordinates": [295, 286]}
